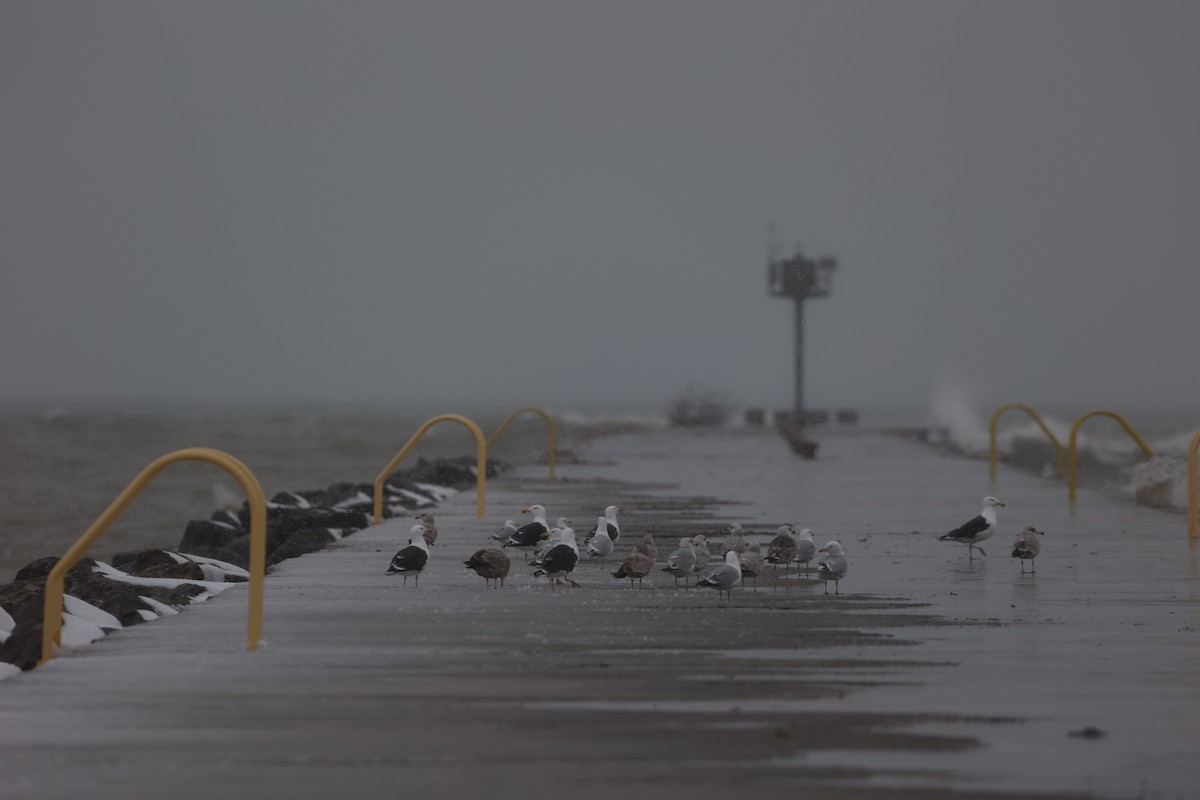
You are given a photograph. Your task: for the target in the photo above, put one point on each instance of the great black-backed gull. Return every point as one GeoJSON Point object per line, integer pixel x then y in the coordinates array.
{"type": "Point", "coordinates": [598, 544]}
{"type": "Point", "coordinates": [806, 548]}
{"type": "Point", "coordinates": [1027, 547]}
{"type": "Point", "coordinates": [610, 522]}
{"type": "Point", "coordinates": [977, 529]}
{"type": "Point", "coordinates": [529, 535]}
{"type": "Point", "coordinates": [833, 566]}
{"type": "Point", "coordinates": [431, 531]}
{"type": "Point", "coordinates": [681, 563]}
{"type": "Point", "coordinates": [411, 559]}
{"type": "Point", "coordinates": [491, 564]}
{"type": "Point", "coordinates": [559, 560]}
{"type": "Point", "coordinates": [782, 549]}
{"type": "Point", "coordinates": [724, 577]}
{"type": "Point", "coordinates": [636, 565]}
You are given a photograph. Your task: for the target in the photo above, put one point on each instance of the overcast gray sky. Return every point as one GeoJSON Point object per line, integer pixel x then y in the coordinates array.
{"type": "Point", "coordinates": [567, 203]}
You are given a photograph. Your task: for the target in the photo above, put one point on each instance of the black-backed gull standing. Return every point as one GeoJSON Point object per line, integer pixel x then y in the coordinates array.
{"type": "Point", "coordinates": [726, 576]}
{"type": "Point", "coordinates": [411, 559]}
{"type": "Point", "coordinates": [977, 529]}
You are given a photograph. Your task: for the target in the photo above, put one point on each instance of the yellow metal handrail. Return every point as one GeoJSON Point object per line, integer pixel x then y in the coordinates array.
{"type": "Point", "coordinates": [530, 410]}
{"type": "Point", "coordinates": [1192, 500]}
{"type": "Point", "coordinates": [480, 461]}
{"type": "Point", "coordinates": [53, 606]}
{"type": "Point", "coordinates": [1058, 448]}
{"type": "Point", "coordinates": [1072, 452]}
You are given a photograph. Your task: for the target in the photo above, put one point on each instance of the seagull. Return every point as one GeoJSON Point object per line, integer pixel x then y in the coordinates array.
{"type": "Point", "coordinates": [647, 546]}
{"type": "Point", "coordinates": [560, 559]}
{"type": "Point", "coordinates": [782, 549]}
{"type": "Point", "coordinates": [491, 564]}
{"type": "Point", "coordinates": [726, 576]}
{"type": "Point", "coordinates": [534, 532]}
{"type": "Point", "coordinates": [411, 559]}
{"type": "Point", "coordinates": [636, 565]}
{"type": "Point", "coordinates": [806, 548]}
{"type": "Point", "coordinates": [833, 566]}
{"type": "Point", "coordinates": [733, 539]}
{"type": "Point", "coordinates": [978, 529]}
{"type": "Point", "coordinates": [700, 545]}
{"type": "Point", "coordinates": [610, 522]}
{"type": "Point", "coordinates": [598, 544]}
{"type": "Point", "coordinates": [505, 533]}
{"type": "Point", "coordinates": [751, 562]}
{"type": "Point", "coordinates": [1027, 547]}
{"type": "Point", "coordinates": [682, 562]}
{"type": "Point", "coordinates": [431, 531]}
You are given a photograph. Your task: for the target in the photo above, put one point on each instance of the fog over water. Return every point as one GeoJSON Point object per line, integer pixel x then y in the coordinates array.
{"type": "Point", "coordinates": [567, 203]}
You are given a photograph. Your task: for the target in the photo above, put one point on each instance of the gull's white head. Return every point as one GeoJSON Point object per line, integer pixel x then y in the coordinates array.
{"type": "Point", "coordinates": [731, 558]}
{"type": "Point", "coordinates": [787, 529]}
{"type": "Point", "coordinates": [417, 534]}
{"type": "Point", "coordinates": [991, 502]}
{"type": "Point", "coordinates": [610, 512]}
{"type": "Point", "coordinates": [563, 522]}
{"type": "Point", "coordinates": [685, 541]}
{"type": "Point", "coordinates": [539, 512]}
{"type": "Point", "coordinates": [805, 533]}
{"type": "Point", "coordinates": [834, 548]}
{"type": "Point", "coordinates": [734, 528]}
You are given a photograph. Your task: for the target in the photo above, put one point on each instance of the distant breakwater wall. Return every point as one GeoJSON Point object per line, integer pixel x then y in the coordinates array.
{"type": "Point", "coordinates": [143, 585]}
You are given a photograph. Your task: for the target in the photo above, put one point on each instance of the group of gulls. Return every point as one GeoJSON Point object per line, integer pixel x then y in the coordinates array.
{"type": "Point", "coordinates": [558, 551]}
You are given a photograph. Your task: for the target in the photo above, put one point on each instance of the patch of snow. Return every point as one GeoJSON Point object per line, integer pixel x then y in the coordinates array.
{"type": "Point", "coordinates": [224, 566]}
{"type": "Point", "coordinates": [112, 573]}
{"type": "Point", "coordinates": [86, 611]}
{"type": "Point", "coordinates": [7, 623]}
{"type": "Point", "coordinates": [146, 614]}
{"type": "Point", "coordinates": [420, 499]}
{"type": "Point", "coordinates": [358, 500]}
{"type": "Point", "coordinates": [77, 631]}
{"type": "Point", "coordinates": [157, 609]}
{"type": "Point", "coordinates": [8, 670]}
{"type": "Point", "coordinates": [437, 491]}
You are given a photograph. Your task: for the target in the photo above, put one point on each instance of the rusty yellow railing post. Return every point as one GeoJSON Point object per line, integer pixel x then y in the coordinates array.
{"type": "Point", "coordinates": [530, 410]}
{"type": "Point", "coordinates": [1058, 448]}
{"type": "Point", "coordinates": [1192, 500]}
{"type": "Point", "coordinates": [52, 608]}
{"type": "Point", "coordinates": [480, 461]}
{"type": "Point", "coordinates": [1072, 455]}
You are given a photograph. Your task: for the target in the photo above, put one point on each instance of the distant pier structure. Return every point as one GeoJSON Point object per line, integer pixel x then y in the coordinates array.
{"type": "Point", "coordinates": [799, 278]}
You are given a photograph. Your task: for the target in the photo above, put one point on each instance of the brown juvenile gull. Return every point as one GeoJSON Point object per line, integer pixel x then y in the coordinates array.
{"type": "Point", "coordinates": [782, 549]}
{"type": "Point", "coordinates": [977, 529]}
{"type": "Point", "coordinates": [834, 566]}
{"type": "Point", "coordinates": [411, 559]}
{"type": "Point", "coordinates": [751, 563]}
{"type": "Point", "coordinates": [491, 564]}
{"type": "Point", "coordinates": [431, 531]}
{"type": "Point", "coordinates": [724, 577]}
{"type": "Point", "coordinates": [1027, 547]}
{"type": "Point", "coordinates": [700, 545]}
{"type": "Point", "coordinates": [636, 565]}
{"type": "Point", "coordinates": [682, 562]}
{"type": "Point", "coordinates": [647, 546]}
{"type": "Point", "coordinates": [806, 548]}
{"type": "Point", "coordinates": [598, 544]}
{"type": "Point", "coordinates": [529, 535]}
{"type": "Point", "coordinates": [734, 539]}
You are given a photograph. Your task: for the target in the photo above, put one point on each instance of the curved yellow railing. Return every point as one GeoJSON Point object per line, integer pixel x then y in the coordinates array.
{"type": "Point", "coordinates": [480, 462]}
{"type": "Point", "coordinates": [1071, 449]}
{"type": "Point", "coordinates": [1192, 500]}
{"type": "Point", "coordinates": [1058, 448]}
{"type": "Point", "coordinates": [52, 613]}
{"type": "Point", "coordinates": [530, 410]}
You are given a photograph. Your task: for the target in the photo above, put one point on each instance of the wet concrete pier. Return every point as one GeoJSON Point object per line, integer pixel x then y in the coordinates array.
{"type": "Point", "coordinates": [929, 676]}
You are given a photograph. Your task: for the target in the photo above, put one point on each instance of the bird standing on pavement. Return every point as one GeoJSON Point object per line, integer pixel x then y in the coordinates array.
{"type": "Point", "coordinates": [1027, 547]}
{"type": "Point", "coordinates": [977, 529]}
{"type": "Point", "coordinates": [833, 566]}
{"type": "Point", "coordinates": [411, 559]}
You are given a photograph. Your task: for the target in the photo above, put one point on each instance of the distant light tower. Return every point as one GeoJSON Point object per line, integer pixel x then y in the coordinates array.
{"type": "Point", "coordinates": [799, 278]}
